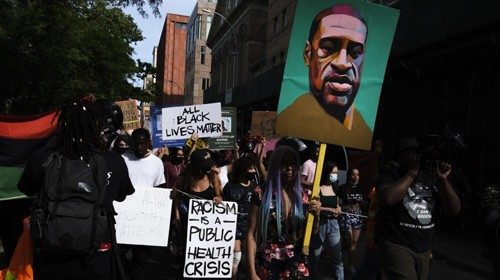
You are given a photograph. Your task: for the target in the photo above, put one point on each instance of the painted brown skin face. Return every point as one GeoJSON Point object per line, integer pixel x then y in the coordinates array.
{"type": "Point", "coordinates": [335, 58]}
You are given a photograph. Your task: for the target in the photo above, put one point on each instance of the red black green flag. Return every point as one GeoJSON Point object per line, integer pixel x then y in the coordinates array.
{"type": "Point", "coordinates": [19, 138]}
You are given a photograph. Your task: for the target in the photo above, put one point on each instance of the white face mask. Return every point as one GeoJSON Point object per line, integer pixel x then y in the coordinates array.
{"type": "Point", "coordinates": [333, 177]}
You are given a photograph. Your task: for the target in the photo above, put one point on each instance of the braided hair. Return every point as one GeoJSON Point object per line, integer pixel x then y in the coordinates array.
{"type": "Point", "coordinates": [78, 130]}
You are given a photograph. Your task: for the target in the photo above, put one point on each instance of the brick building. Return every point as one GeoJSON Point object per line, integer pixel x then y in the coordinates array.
{"type": "Point", "coordinates": [171, 59]}
{"type": "Point", "coordinates": [198, 55]}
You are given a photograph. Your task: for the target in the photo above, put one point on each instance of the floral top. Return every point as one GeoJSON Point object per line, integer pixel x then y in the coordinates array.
{"type": "Point", "coordinates": [280, 258]}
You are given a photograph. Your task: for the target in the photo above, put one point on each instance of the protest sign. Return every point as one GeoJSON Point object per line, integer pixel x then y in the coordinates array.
{"type": "Point", "coordinates": [228, 139]}
{"type": "Point", "coordinates": [181, 122]}
{"type": "Point", "coordinates": [144, 217]}
{"type": "Point", "coordinates": [156, 130]}
{"type": "Point", "coordinates": [200, 144]}
{"type": "Point", "coordinates": [131, 118]}
{"type": "Point", "coordinates": [211, 232]}
{"type": "Point", "coordinates": [263, 123]}
{"type": "Point", "coordinates": [335, 104]}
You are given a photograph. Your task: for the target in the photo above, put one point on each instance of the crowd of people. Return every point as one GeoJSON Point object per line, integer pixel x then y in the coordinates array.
{"type": "Point", "coordinates": [272, 190]}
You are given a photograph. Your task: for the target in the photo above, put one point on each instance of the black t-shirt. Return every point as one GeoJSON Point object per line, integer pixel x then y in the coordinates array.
{"type": "Point", "coordinates": [119, 184]}
{"type": "Point", "coordinates": [350, 195]}
{"type": "Point", "coordinates": [118, 181]}
{"type": "Point", "coordinates": [241, 195]}
{"type": "Point", "coordinates": [409, 222]}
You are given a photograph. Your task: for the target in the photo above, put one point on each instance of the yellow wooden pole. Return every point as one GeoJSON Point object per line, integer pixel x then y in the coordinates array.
{"type": "Point", "coordinates": [315, 192]}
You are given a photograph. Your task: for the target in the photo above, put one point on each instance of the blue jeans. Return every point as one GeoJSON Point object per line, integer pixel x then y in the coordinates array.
{"type": "Point", "coordinates": [329, 238]}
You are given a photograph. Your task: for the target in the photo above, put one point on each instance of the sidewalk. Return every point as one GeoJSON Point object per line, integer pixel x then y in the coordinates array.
{"type": "Point", "coordinates": [465, 253]}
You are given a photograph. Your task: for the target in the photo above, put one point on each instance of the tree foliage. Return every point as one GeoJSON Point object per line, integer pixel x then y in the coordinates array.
{"type": "Point", "coordinates": [54, 50]}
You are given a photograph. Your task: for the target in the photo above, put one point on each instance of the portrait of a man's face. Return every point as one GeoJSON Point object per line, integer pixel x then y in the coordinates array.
{"type": "Point", "coordinates": [334, 56]}
{"type": "Point", "coordinates": [334, 71]}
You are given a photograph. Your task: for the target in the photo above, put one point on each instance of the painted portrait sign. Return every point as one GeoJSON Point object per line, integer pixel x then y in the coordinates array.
{"type": "Point", "coordinates": [334, 71]}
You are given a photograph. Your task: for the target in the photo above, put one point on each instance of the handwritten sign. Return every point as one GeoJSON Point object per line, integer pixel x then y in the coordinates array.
{"type": "Point", "coordinates": [144, 217]}
{"type": "Point", "coordinates": [228, 139]}
{"type": "Point", "coordinates": [182, 122]}
{"type": "Point", "coordinates": [200, 144]}
{"type": "Point", "coordinates": [156, 131]}
{"type": "Point", "coordinates": [131, 118]}
{"type": "Point", "coordinates": [263, 123]}
{"type": "Point", "coordinates": [211, 233]}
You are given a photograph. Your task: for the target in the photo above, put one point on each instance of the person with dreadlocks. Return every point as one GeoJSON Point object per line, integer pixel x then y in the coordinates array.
{"type": "Point", "coordinates": [78, 142]}
{"type": "Point", "coordinates": [276, 221]}
{"type": "Point", "coordinates": [240, 189]}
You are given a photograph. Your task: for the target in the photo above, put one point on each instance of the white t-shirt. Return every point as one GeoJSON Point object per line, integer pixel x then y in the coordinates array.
{"type": "Point", "coordinates": [144, 172]}
{"type": "Point", "coordinates": [223, 176]}
{"type": "Point", "coordinates": [308, 170]}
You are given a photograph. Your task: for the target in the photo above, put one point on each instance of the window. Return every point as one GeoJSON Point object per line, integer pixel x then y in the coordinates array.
{"type": "Point", "coordinates": [180, 25]}
{"type": "Point", "coordinates": [283, 18]}
{"type": "Point", "coordinates": [205, 83]}
{"type": "Point", "coordinates": [275, 25]}
{"type": "Point", "coordinates": [198, 27]}
{"type": "Point", "coordinates": [202, 54]}
{"type": "Point", "coordinates": [209, 24]}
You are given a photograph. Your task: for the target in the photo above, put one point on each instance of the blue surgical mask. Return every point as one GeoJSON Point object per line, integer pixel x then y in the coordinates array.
{"type": "Point", "coordinates": [333, 177]}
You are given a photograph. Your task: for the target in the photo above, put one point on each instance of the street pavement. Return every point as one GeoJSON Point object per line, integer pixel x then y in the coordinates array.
{"type": "Point", "coordinates": [455, 257]}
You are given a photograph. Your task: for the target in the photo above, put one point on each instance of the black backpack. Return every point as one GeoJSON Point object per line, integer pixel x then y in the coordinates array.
{"type": "Point", "coordinates": [68, 214]}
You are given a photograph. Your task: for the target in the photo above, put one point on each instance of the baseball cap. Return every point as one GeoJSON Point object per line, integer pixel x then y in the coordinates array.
{"type": "Point", "coordinates": [202, 158]}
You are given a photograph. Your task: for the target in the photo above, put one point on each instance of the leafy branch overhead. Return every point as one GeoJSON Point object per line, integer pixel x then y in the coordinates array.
{"type": "Point", "coordinates": [54, 51]}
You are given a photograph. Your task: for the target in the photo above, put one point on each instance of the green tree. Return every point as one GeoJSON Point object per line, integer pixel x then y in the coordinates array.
{"type": "Point", "coordinates": [52, 51]}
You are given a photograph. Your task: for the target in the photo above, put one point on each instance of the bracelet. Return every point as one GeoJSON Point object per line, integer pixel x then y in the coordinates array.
{"type": "Point", "coordinates": [412, 175]}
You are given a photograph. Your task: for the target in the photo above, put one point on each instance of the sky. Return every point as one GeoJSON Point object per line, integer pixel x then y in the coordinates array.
{"type": "Point", "coordinates": [152, 26]}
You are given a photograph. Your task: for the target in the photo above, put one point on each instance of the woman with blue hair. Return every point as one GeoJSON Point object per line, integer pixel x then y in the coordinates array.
{"type": "Point", "coordinates": [276, 221]}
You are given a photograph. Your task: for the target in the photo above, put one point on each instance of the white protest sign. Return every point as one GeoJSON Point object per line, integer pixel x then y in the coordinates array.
{"type": "Point", "coordinates": [211, 232]}
{"type": "Point", "coordinates": [182, 122]}
{"type": "Point", "coordinates": [144, 217]}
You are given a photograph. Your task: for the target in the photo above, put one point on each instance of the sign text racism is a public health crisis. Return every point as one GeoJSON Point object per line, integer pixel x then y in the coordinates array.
{"type": "Point", "coordinates": [210, 238]}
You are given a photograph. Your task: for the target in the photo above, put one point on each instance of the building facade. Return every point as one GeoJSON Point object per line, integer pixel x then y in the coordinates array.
{"type": "Point", "coordinates": [237, 39]}
{"type": "Point", "coordinates": [171, 59]}
{"type": "Point", "coordinates": [198, 54]}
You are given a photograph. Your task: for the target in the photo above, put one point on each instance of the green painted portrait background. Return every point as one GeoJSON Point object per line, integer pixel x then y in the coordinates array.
{"type": "Point", "coordinates": [381, 22]}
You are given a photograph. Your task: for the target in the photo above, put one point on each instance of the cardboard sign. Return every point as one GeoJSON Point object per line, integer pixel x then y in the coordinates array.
{"type": "Point", "coordinates": [200, 144]}
{"type": "Point", "coordinates": [211, 232]}
{"type": "Point", "coordinates": [228, 139]}
{"type": "Point", "coordinates": [131, 118]}
{"type": "Point", "coordinates": [182, 122]}
{"type": "Point", "coordinates": [144, 217]}
{"type": "Point", "coordinates": [335, 104]}
{"type": "Point", "coordinates": [156, 131]}
{"type": "Point", "coordinates": [263, 124]}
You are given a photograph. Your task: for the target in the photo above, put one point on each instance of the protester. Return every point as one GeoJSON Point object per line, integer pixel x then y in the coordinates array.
{"type": "Point", "coordinates": [174, 166]}
{"type": "Point", "coordinates": [240, 190]}
{"type": "Point", "coordinates": [309, 169]}
{"type": "Point", "coordinates": [120, 145]}
{"type": "Point", "coordinates": [146, 171]}
{"type": "Point", "coordinates": [490, 206]}
{"type": "Point", "coordinates": [329, 231]}
{"type": "Point", "coordinates": [407, 191]}
{"type": "Point", "coordinates": [87, 187]}
{"type": "Point", "coordinates": [352, 200]}
{"type": "Point", "coordinates": [276, 221]}
{"type": "Point", "coordinates": [198, 181]}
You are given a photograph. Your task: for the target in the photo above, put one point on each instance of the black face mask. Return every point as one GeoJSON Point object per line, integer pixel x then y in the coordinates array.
{"type": "Point", "coordinates": [252, 176]}
{"type": "Point", "coordinates": [121, 151]}
{"type": "Point", "coordinates": [177, 160]}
